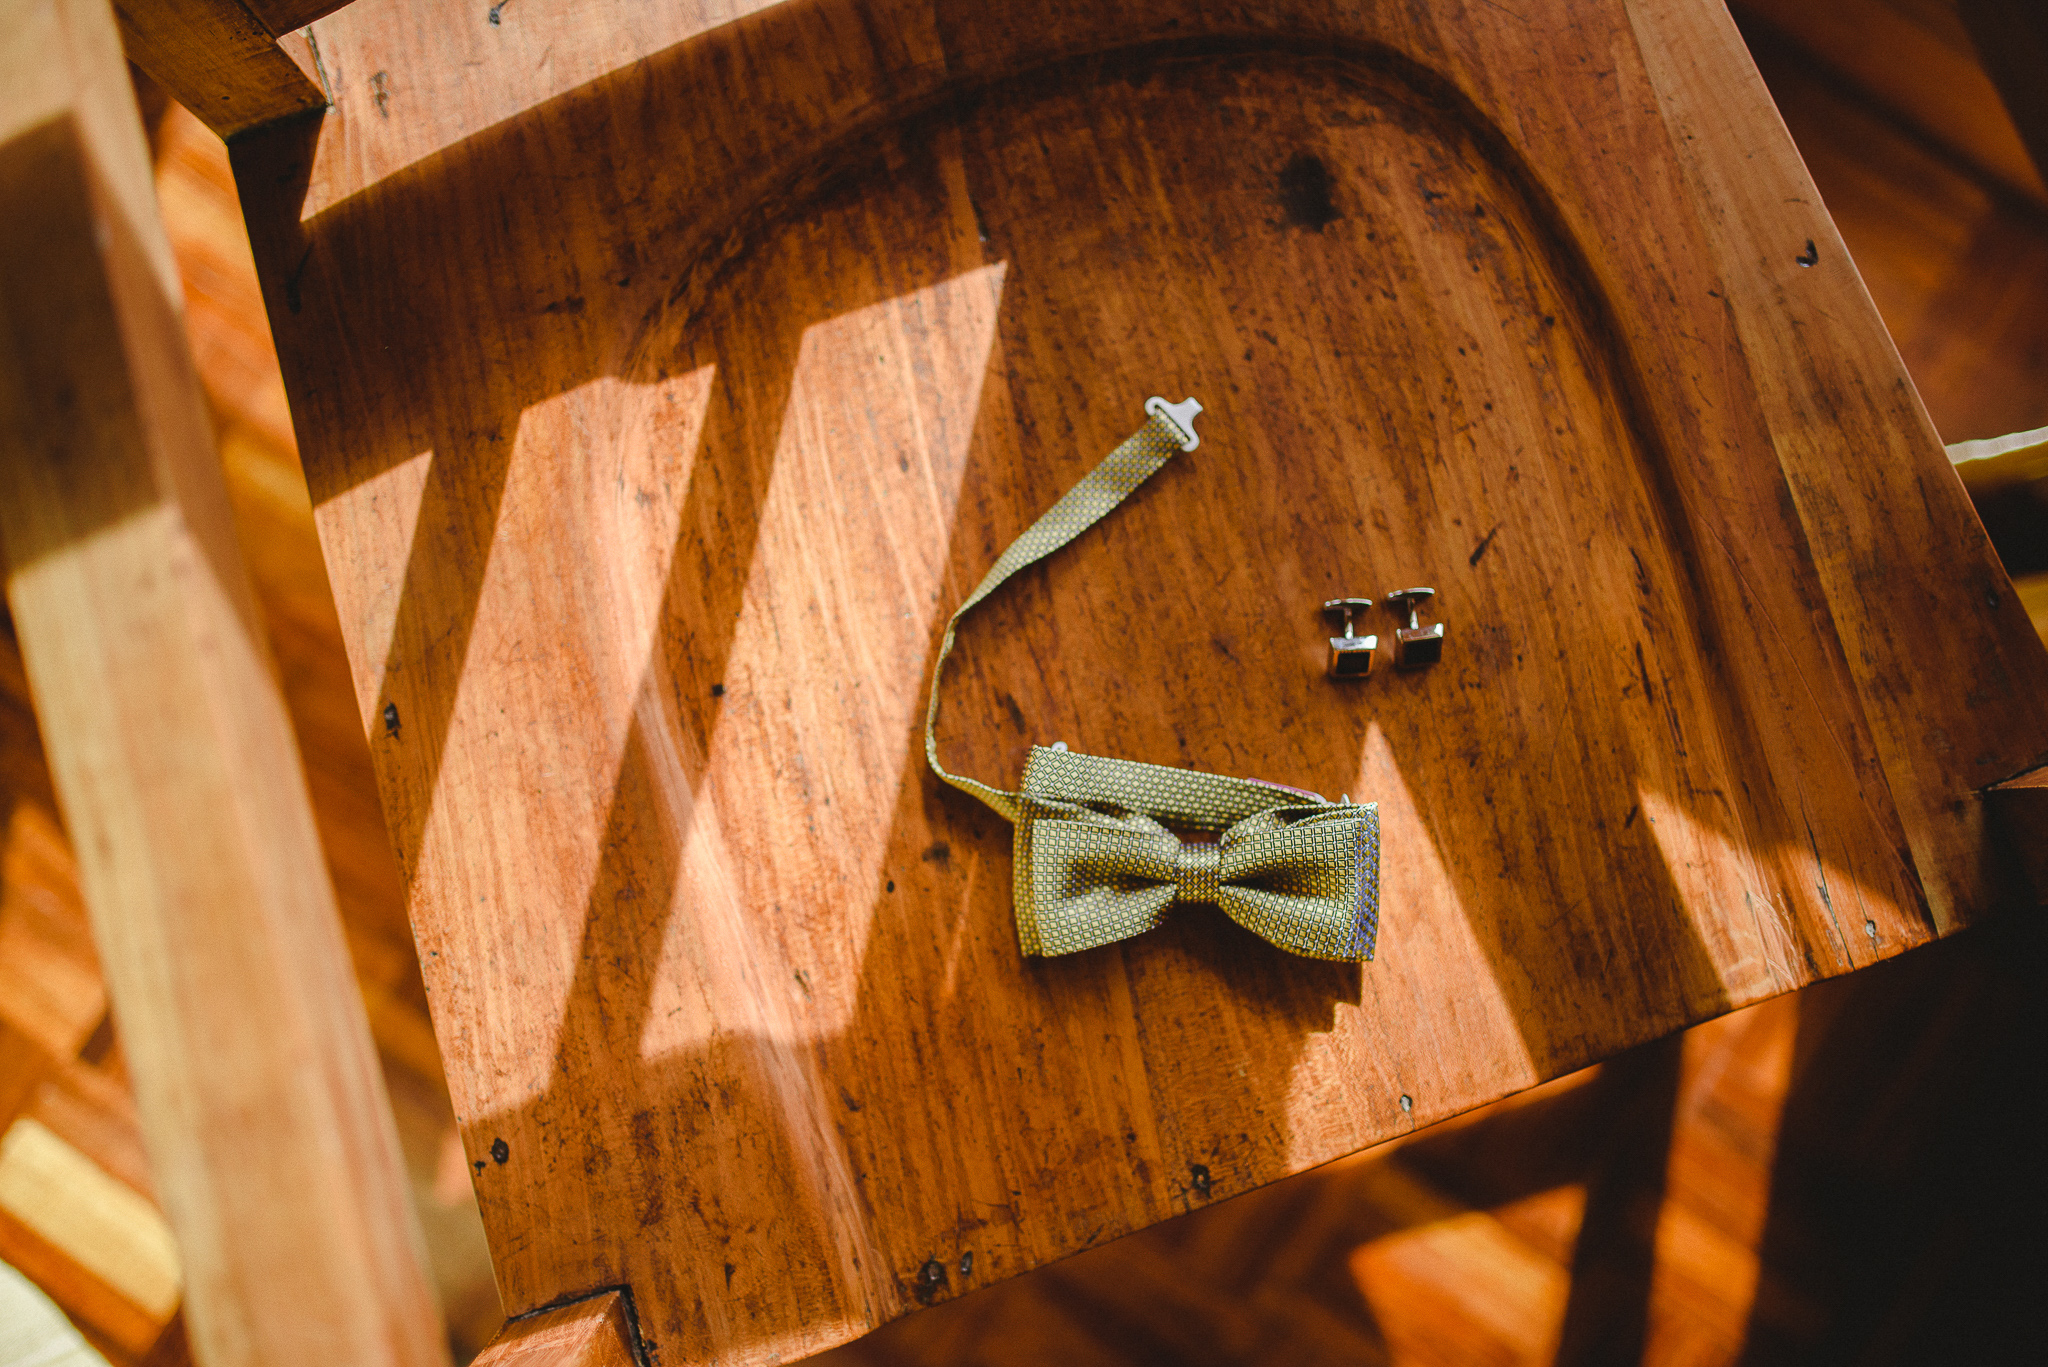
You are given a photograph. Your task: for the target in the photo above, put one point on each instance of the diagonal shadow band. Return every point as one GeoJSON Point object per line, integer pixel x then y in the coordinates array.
{"type": "Point", "coordinates": [1027, 172]}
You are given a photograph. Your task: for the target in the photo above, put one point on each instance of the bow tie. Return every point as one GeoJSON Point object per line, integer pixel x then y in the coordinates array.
{"type": "Point", "coordinates": [1095, 862]}
{"type": "Point", "coordinates": [1097, 859]}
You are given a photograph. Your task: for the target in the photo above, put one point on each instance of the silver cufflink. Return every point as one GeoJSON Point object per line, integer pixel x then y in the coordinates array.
{"type": "Point", "coordinates": [1350, 655]}
{"type": "Point", "coordinates": [1415, 645]}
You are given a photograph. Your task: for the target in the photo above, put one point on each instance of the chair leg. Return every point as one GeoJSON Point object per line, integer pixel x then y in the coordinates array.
{"type": "Point", "coordinates": [596, 1332]}
{"type": "Point", "coordinates": [173, 757]}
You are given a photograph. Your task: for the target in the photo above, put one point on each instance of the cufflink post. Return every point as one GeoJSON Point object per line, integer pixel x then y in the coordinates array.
{"type": "Point", "coordinates": [1350, 654]}
{"type": "Point", "coordinates": [1415, 645]}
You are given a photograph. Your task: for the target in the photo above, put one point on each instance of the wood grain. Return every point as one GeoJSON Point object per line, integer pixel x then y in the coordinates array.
{"type": "Point", "coordinates": [590, 1333]}
{"type": "Point", "coordinates": [1953, 263]}
{"type": "Point", "coordinates": [171, 751]}
{"type": "Point", "coordinates": [1811, 396]}
{"type": "Point", "coordinates": [282, 16]}
{"type": "Point", "coordinates": [653, 436]}
{"type": "Point", "coordinates": [60, 1060]}
{"type": "Point", "coordinates": [222, 61]}
{"type": "Point", "coordinates": [1704, 1201]}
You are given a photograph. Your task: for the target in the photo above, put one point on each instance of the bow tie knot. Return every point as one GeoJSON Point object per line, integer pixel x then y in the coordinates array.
{"type": "Point", "coordinates": [1197, 868]}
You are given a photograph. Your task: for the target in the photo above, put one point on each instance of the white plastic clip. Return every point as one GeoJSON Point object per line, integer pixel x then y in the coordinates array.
{"type": "Point", "coordinates": [1179, 416]}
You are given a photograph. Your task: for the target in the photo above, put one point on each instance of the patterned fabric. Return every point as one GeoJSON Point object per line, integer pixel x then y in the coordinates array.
{"type": "Point", "coordinates": [1096, 856]}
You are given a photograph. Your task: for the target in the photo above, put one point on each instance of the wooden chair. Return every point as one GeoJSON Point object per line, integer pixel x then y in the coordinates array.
{"type": "Point", "coordinates": [664, 378]}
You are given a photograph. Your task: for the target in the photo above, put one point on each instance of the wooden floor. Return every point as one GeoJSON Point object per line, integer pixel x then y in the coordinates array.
{"type": "Point", "coordinates": [1848, 1174]}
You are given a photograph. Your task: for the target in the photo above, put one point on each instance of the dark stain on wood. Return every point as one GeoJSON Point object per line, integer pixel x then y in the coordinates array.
{"type": "Point", "coordinates": [1305, 186]}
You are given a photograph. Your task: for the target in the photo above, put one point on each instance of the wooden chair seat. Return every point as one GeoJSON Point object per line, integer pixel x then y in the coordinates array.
{"type": "Point", "coordinates": [664, 379]}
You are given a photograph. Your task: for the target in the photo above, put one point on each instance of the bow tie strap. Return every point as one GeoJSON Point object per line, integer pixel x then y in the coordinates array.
{"type": "Point", "coordinates": [1097, 859]}
{"type": "Point", "coordinates": [1132, 463]}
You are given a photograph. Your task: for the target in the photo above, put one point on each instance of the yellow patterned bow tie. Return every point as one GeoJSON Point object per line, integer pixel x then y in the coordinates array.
{"type": "Point", "coordinates": [1097, 859]}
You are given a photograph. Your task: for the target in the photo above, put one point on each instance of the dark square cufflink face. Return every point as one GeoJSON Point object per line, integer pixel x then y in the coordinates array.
{"type": "Point", "coordinates": [1350, 654]}
{"type": "Point", "coordinates": [1415, 645]}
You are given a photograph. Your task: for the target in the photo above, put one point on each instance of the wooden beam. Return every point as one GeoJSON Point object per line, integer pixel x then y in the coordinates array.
{"type": "Point", "coordinates": [171, 751]}
{"type": "Point", "coordinates": [221, 58]}
{"type": "Point", "coordinates": [590, 1333]}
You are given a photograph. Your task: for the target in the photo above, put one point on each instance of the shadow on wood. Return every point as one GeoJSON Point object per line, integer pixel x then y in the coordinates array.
{"type": "Point", "coordinates": [646, 492]}
{"type": "Point", "coordinates": [1891, 1225]}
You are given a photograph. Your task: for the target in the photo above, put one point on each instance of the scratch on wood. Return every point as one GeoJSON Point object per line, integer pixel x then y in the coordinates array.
{"type": "Point", "coordinates": [1820, 871]}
